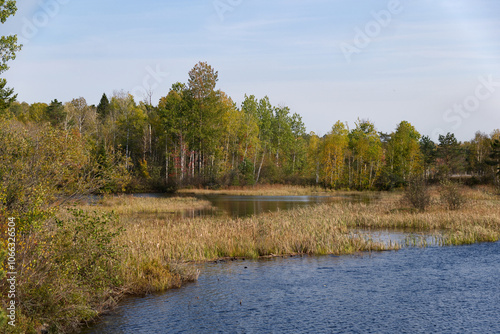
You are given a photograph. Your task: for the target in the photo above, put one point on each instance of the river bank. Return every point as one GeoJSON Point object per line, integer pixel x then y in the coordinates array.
{"type": "Point", "coordinates": [154, 250]}
{"type": "Point", "coordinates": [160, 250]}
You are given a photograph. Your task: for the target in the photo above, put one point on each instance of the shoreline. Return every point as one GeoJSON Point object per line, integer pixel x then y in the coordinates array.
{"type": "Point", "coordinates": [158, 251]}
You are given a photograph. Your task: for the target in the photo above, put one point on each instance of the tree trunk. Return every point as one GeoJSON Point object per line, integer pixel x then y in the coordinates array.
{"type": "Point", "coordinates": [183, 157]}
{"type": "Point", "coordinates": [260, 167]}
{"type": "Point", "coordinates": [166, 160]}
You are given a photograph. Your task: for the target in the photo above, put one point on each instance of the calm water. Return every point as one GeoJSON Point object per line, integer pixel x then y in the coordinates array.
{"type": "Point", "coordinates": [414, 290]}
{"type": "Point", "coordinates": [243, 206]}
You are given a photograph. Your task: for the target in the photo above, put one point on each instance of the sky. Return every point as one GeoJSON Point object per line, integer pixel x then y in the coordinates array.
{"type": "Point", "coordinates": [433, 63]}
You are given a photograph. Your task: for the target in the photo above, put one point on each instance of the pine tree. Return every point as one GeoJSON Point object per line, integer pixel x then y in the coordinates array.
{"type": "Point", "coordinates": [103, 107]}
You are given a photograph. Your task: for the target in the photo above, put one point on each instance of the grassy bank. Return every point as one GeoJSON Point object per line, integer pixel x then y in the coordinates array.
{"type": "Point", "coordinates": [477, 221]}
{"type": "Point", "coordinates": [258, 190]}
{"type": "Point", "coordinates": [125, 205]}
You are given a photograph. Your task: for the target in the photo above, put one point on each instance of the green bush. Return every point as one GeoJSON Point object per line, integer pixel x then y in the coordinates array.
{"type": "Point", "coordinates": [69, 271]}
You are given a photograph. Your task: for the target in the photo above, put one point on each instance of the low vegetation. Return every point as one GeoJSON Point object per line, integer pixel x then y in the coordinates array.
{"type": "Point", "coordinates": [451, 195]}
{"type": "Point", "coordinates": [80, 264]}
{"type": "Point", "coordinates": [128, 204]}
{"type": "Point", "coordinates": [417, 194]}
{"type": "Point", "coordinates": [266, 190]}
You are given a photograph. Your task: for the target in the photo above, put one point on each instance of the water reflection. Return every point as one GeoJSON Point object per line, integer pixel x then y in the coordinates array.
{"type": "Point", "coordinates": [245, 206]}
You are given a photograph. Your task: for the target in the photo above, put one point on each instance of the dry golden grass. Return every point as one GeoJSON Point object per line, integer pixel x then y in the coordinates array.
{"type": "Point", "coordinates": [124, 205]}
{"type": "Point", "coordinates": [158, 249]}
{"type": "Point", "coordinates": [210, 238]}
{"type": "Point", "coordinates": [477, 221]}
{"type": "Point", "coordinates": [258, 190]}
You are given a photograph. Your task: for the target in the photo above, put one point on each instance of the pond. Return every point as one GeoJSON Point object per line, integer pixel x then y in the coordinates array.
{"type": "Point", "coordinates": [413, 290]}
{"type": "Point", "coordinates": [244, 206]}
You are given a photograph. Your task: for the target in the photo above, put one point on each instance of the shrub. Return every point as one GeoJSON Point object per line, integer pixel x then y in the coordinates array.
{"type": "Point", "coordinates": [69, 272]}
{"type": "Point", "coordinates": [417, 194]}
{"type": "Point", "coordinates": [451, 195]}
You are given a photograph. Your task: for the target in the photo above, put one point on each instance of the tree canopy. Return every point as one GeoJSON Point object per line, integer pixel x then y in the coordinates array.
{"type": "Point", "coordinates": [197, 135]}
{"type": "Point", "coordinates": [8, 49]}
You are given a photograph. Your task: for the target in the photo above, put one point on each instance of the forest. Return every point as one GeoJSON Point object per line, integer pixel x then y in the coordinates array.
{"type": "Point", "coordinates": [196, 135]}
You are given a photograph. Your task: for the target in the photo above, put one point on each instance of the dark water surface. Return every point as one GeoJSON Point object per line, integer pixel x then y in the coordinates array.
{"type": "Point", "coordinates": [414, 290]}
{"type": "Point", "coordinates": [244, 206]}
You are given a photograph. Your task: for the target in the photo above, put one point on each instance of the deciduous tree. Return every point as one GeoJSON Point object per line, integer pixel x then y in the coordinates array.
{"type": "Point", "coordinates": [8, 49]}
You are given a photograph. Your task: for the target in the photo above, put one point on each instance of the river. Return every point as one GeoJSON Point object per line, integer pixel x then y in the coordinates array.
{"type": "Point", "coordinates": [413, 290]}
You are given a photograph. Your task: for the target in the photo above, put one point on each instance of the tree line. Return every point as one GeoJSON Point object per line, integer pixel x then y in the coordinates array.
{"type": "Point", "coordinates": [197, 135]}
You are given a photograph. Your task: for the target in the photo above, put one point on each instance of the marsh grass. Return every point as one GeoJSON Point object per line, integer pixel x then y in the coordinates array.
{"type": "Point", "coordinates": [264, 190]}
{"type": "Point", "coordinates": [211, 238]}
{"type": "Point", "coordinates": [124, 205]}
{"type": "Point", "coordinates": [478, 221]}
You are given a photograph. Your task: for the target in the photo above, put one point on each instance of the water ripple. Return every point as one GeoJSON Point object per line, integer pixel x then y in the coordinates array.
{"type": "Point", "coordinates": [414, 290]}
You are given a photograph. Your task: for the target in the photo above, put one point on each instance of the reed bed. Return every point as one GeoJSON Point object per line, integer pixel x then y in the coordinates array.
{"type": "Point", "coordinates": [260, 190]}
{"type": "Point", "coordinates": [477, 221]}
{"type": "Point", "coordinates": [124, 205]}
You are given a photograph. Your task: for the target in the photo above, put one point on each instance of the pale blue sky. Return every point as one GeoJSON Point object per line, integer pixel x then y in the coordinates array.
{"type": "Point", "coordinates": [416, 65]}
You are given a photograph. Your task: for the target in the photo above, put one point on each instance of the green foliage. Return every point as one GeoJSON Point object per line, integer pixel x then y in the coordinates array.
{"type": "Point", "coordinates": [55, 113]}
{"type": "Point", "coordinates": [429, 152]}
{"type": "Point", "coordinates": [7, 96]}
{"type": "Point", "coordinates": [37, 112]}
{"type": "Point", "coordinates": [495, 155]}
{"type": "Point", "coordinates": [403, 152]}
{"type": "Point", "coordinates": [450, 155]}
{"type": "Point", "coordinates": [366, 149]}
{"type": "Point", "coordinates": [198, 136]}
{"type": "Point", "coordinates": [71, 270]}
{"type": "Point", "coordinates": [103, 108]}
{"type": "Point", "coordinates": [38, 165]}
{"type": "Point", "coordinates": [8, 44]}
{"type": "Point", "coordinates": [334, 153]}
{"type": "Point", "coordinates": [90, 236]}
{"type": "Point", "coordinates": [8, 49]}
{"type": "Point", "coordinates": [476, 155]}
{"type": "Point", "coordinates": [111, 169]}
{"type": "Point", "coordinates": [246, 172]}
